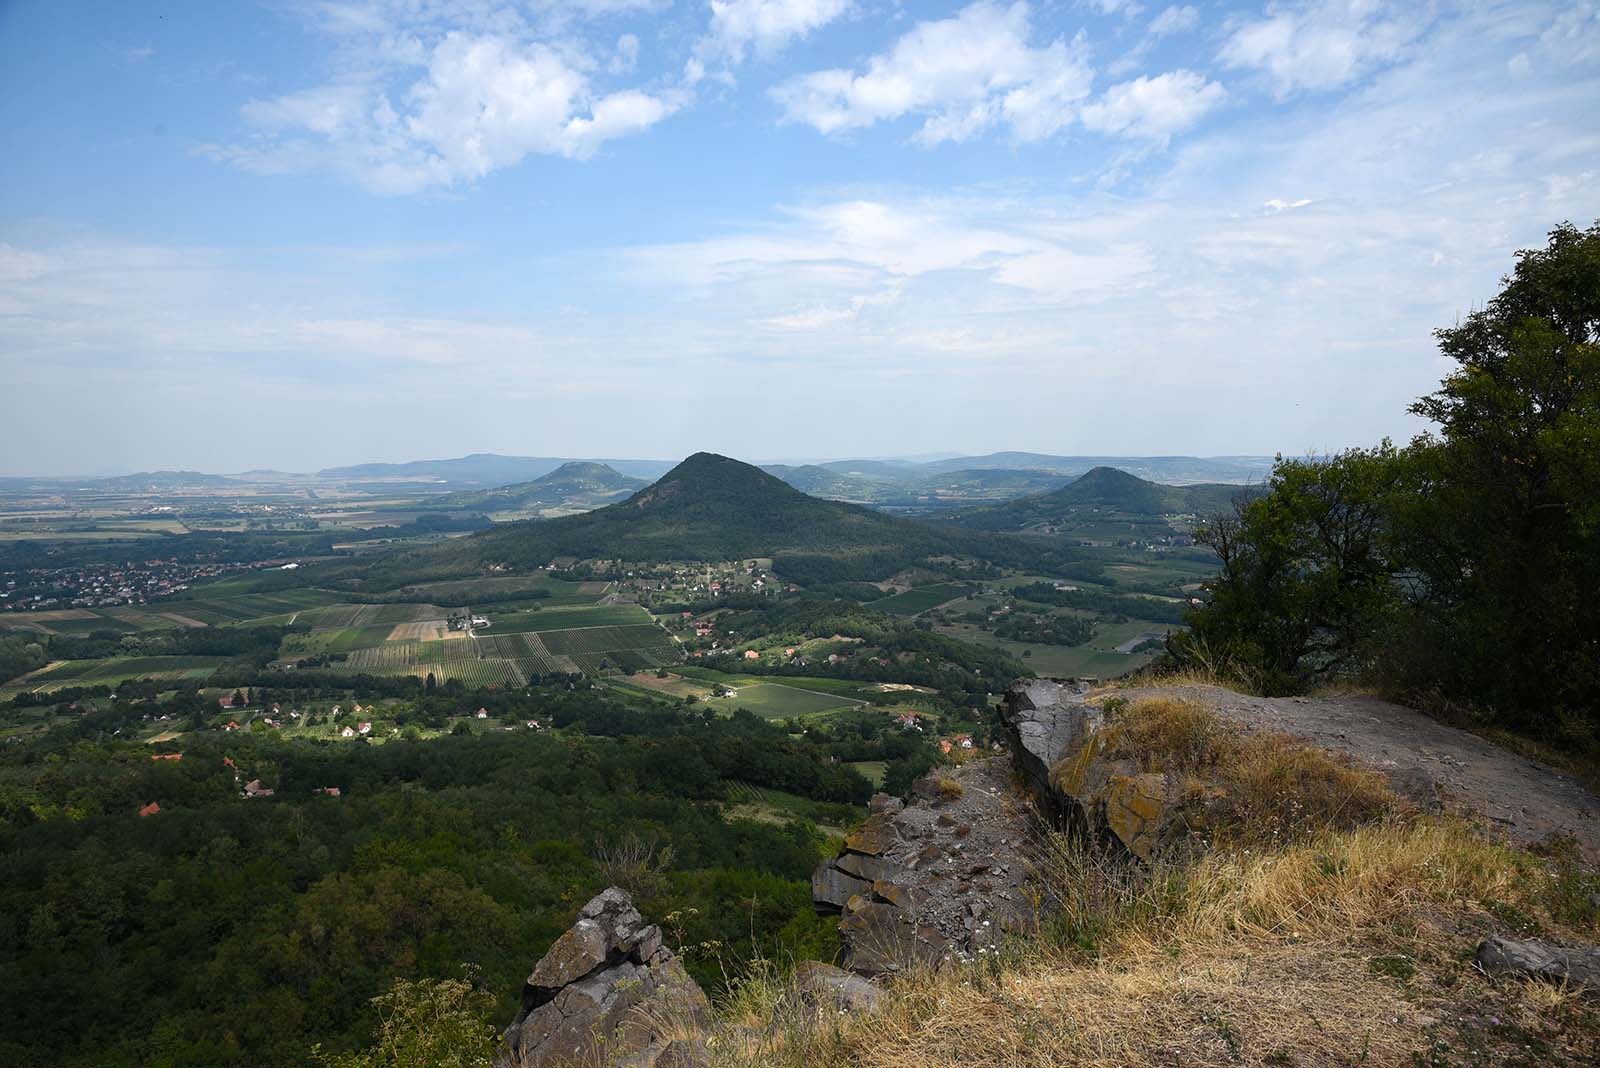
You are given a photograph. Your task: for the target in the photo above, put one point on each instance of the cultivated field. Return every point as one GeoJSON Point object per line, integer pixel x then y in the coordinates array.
{"type": "Point", "coordinates": [911, 602]}
{"type": "Point", "coordinates": [65, 673]}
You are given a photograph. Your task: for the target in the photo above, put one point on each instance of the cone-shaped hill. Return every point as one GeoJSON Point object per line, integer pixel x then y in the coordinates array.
{"type": "Point", "coordinates": [1103, 491]}
{"type": "Point", "coordinates": [710, 507]}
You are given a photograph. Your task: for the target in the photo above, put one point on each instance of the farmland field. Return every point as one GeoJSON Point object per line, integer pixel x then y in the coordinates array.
{"type": "Point", "coordinates": [466, 591]}
{"type": "Point", "coordinates": [112, 670]}
{"type": "Point", "coordinates": [492, 659]}
{"type": "Point", "coordinates": [1097, 659]}
{"type": "Point", "coordinates": [918, 600]}
{"type": "Point", "coordinates": [566, 618]}
{"type": "Point", "coordinates": [772, 700]}
{"type": "Point", "coordinates": [420, 631]}
{"type": "Point", "coordinates": [334, 640]}
{"type": "Point", "coordinates": [873, 770]}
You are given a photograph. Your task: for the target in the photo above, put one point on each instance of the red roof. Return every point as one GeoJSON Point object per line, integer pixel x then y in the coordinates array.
{"type": "Point", "coordinates": [151, 809]}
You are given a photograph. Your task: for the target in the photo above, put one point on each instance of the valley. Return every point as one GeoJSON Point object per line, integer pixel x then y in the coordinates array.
{"type": "Point", "coordinates": [492, 698]}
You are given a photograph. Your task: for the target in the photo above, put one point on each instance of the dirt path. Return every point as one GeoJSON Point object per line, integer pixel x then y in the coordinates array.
{"type": "Point", "coordinates": [1528, 800]}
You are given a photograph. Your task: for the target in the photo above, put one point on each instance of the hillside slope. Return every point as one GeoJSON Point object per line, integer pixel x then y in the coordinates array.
{"type": "Point", "coordinates": [1104, 491]}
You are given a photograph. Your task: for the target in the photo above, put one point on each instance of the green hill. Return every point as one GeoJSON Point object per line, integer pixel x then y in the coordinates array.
{"type": "Point", "coordinates": [1101, 494]}
{"type": "Point", "coordinates": [573, 487]}
{"type": "Point", "coordinates": [708, 508]}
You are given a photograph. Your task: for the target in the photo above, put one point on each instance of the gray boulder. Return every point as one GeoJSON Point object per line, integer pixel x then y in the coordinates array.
{"type": "Point", "coordinates": [607, 993]}
{"type": "Point", "coordinates": [1579, 966]}
{"type": "Point", "coordinates": [824, 987]}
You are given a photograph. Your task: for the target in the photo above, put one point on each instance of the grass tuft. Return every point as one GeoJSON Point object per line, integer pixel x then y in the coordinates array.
{"type": "Point", "coordinates": [1249, 786]}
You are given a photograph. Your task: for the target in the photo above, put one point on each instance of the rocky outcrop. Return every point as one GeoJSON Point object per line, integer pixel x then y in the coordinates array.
{"type": "Point", "coordinates": [1066, 749]}
{"type": "Point", "coordinates": [1541, 960]}
{"type": "Point", "coordinates": [608, 992]}
{"type": "Point", "coordinates": [834, 990]}
{"type": "Point", "coordinates": [1046, 719]}
{"type": "Point", "coordinates": [935, 880]}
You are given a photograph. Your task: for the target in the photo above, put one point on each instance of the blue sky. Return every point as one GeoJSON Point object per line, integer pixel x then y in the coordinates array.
{"type": "Point", "coordinates": [295, 234]}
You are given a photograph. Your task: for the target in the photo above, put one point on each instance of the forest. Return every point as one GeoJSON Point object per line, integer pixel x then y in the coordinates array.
{"type": "Point", "coordinates": [225, 929]}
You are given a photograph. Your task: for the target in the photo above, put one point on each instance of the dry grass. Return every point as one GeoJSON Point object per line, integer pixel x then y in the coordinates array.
{"type": "Point", "coordinates": [1238, 785]}
{"type": "Point", "coordinates": [1172, 734]}
{"type": "Point", "coordinates": [1322, 925]}
{"type": "Point", "coordinates": [1344, 949]}
{"type": "Point", "coordinates": [1168, 678]}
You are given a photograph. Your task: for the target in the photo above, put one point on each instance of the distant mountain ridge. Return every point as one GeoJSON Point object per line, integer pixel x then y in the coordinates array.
{"type": "Point", "coordinates": [485, 469]}
{"type": "Point", "coordinates": [160, 480]}
{"type": "Point", "coordinates": [578, 486]}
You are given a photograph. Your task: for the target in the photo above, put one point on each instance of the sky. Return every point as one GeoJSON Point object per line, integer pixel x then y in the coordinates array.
{"type": "Point", "coordinates": [300, 233]}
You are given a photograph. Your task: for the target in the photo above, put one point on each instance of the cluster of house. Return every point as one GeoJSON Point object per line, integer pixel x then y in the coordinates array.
{"type": "Point", "coordinates": [532, 724]}
{"type": "Point", "coordinates": [955, 741]}
{"type": "Point", "coordinates": [105, 585]}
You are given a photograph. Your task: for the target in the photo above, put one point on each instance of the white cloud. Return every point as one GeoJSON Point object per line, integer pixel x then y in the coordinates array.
{"type": "Point", "coordinates": [1323, 44]}
{"type": "Point", "coordinates": [765, 26]}
{"type": "Point", "coordinates": [836, 261]}
{"type": "Point", "coordinates": [1154, 108]}
{"type": "Point", "coordinates": [960, 75]}
{"type": "Point", "coordinates": [626, 56]}
{"type": "Point", "coordinates": [424, 108]}
{"type": "Point", "coordinates": [1175, 20]}
{"type": "Point", "coordinates": [1573, 37]}
{"type": "Point", "coordinates": [1126, 8]}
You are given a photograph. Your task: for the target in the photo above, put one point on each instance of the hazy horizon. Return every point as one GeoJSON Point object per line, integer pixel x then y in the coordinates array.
{"type": "Point", "coordinates": [199, 467]}
{"type": "Point", "coordinates": [311, 233]}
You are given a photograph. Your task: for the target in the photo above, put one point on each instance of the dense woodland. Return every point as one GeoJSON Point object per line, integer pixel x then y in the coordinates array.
{"type": "Point", "coordinates": [233, 930]}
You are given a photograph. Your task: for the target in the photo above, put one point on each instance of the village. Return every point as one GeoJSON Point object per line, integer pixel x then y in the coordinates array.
{"type": "Point", "coordinates": [103, 585]}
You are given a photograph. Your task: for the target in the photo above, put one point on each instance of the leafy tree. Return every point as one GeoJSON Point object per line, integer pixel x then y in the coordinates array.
{"type": "Point", "coordinates": [1305, 587]}
{"type": "Point", "coordinates": [1505, 532]}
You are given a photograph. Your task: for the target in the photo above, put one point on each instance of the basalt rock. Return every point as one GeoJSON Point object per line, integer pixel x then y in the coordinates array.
{"type": "Point", "coordinates": [1542, 960]}
{"type": "Point", "coordinates": [936, 880]}
{"type": "Point", "coordinates": [834, 990]}
{"type": "Point", "coordinates": [1066, 749]}
{"type": "Point", "coordinates": [605, 993]}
